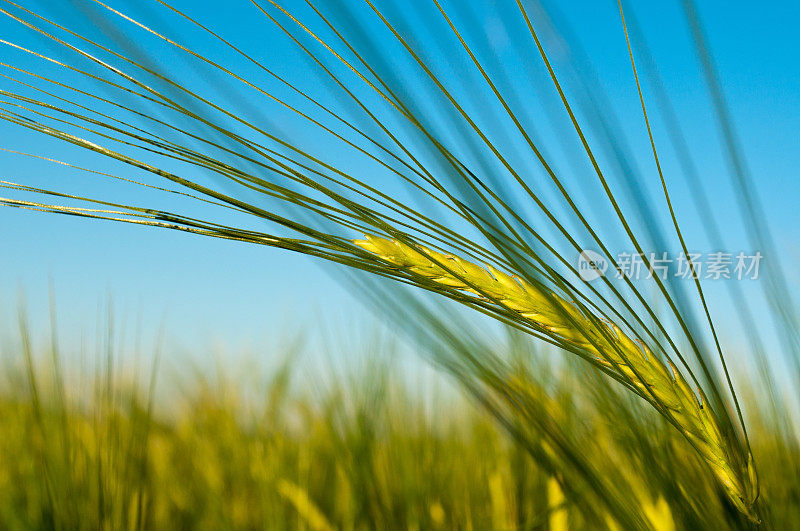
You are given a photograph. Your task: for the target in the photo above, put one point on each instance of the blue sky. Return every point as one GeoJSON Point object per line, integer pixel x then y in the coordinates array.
{"type": "Point", "coordinates": [206, 292]}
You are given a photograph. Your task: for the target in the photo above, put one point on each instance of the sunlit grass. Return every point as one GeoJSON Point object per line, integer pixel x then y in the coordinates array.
{"type": "Point", "coordinates": [296, 449]}
{"type": "Point", "coordinates": [459, 196]}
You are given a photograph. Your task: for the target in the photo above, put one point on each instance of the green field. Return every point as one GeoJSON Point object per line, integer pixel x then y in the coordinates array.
{"type": "Point", "coordinates": [112, 447]}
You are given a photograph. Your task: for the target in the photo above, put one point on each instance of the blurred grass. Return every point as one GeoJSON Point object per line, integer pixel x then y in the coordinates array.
{"type": "Point", "coordinates": [355, 449]}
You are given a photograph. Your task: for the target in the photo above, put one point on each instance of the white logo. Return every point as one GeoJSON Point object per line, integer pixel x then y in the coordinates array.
{"type": "Point", "coordinates": [591, 265]}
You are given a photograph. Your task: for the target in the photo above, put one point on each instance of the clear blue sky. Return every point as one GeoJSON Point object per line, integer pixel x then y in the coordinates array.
{"type": "Point", "coordinates": [204, 290]}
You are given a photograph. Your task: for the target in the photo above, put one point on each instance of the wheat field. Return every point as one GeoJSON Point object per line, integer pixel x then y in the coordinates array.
{"type": "Point", "coordinates": [550, 206]}
{"type": "Point", "coordinates": [247, 447]}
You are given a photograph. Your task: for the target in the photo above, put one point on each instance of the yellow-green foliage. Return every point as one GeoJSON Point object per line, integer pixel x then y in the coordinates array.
{"type": "Point", "coordinates": [359, 453]}
{"type": "Point", "coordinates": [349, 459]}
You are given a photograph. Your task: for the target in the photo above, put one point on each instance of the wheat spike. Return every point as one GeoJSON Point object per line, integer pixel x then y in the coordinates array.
{"type": "Point", "coordinates": [306, 508]}
{"type": "Point", "coordinates": [660, 383]}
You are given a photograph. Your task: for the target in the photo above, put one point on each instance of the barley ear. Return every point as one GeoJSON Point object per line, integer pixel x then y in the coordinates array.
{"type": "Point", "coordinates": [659, 382]}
